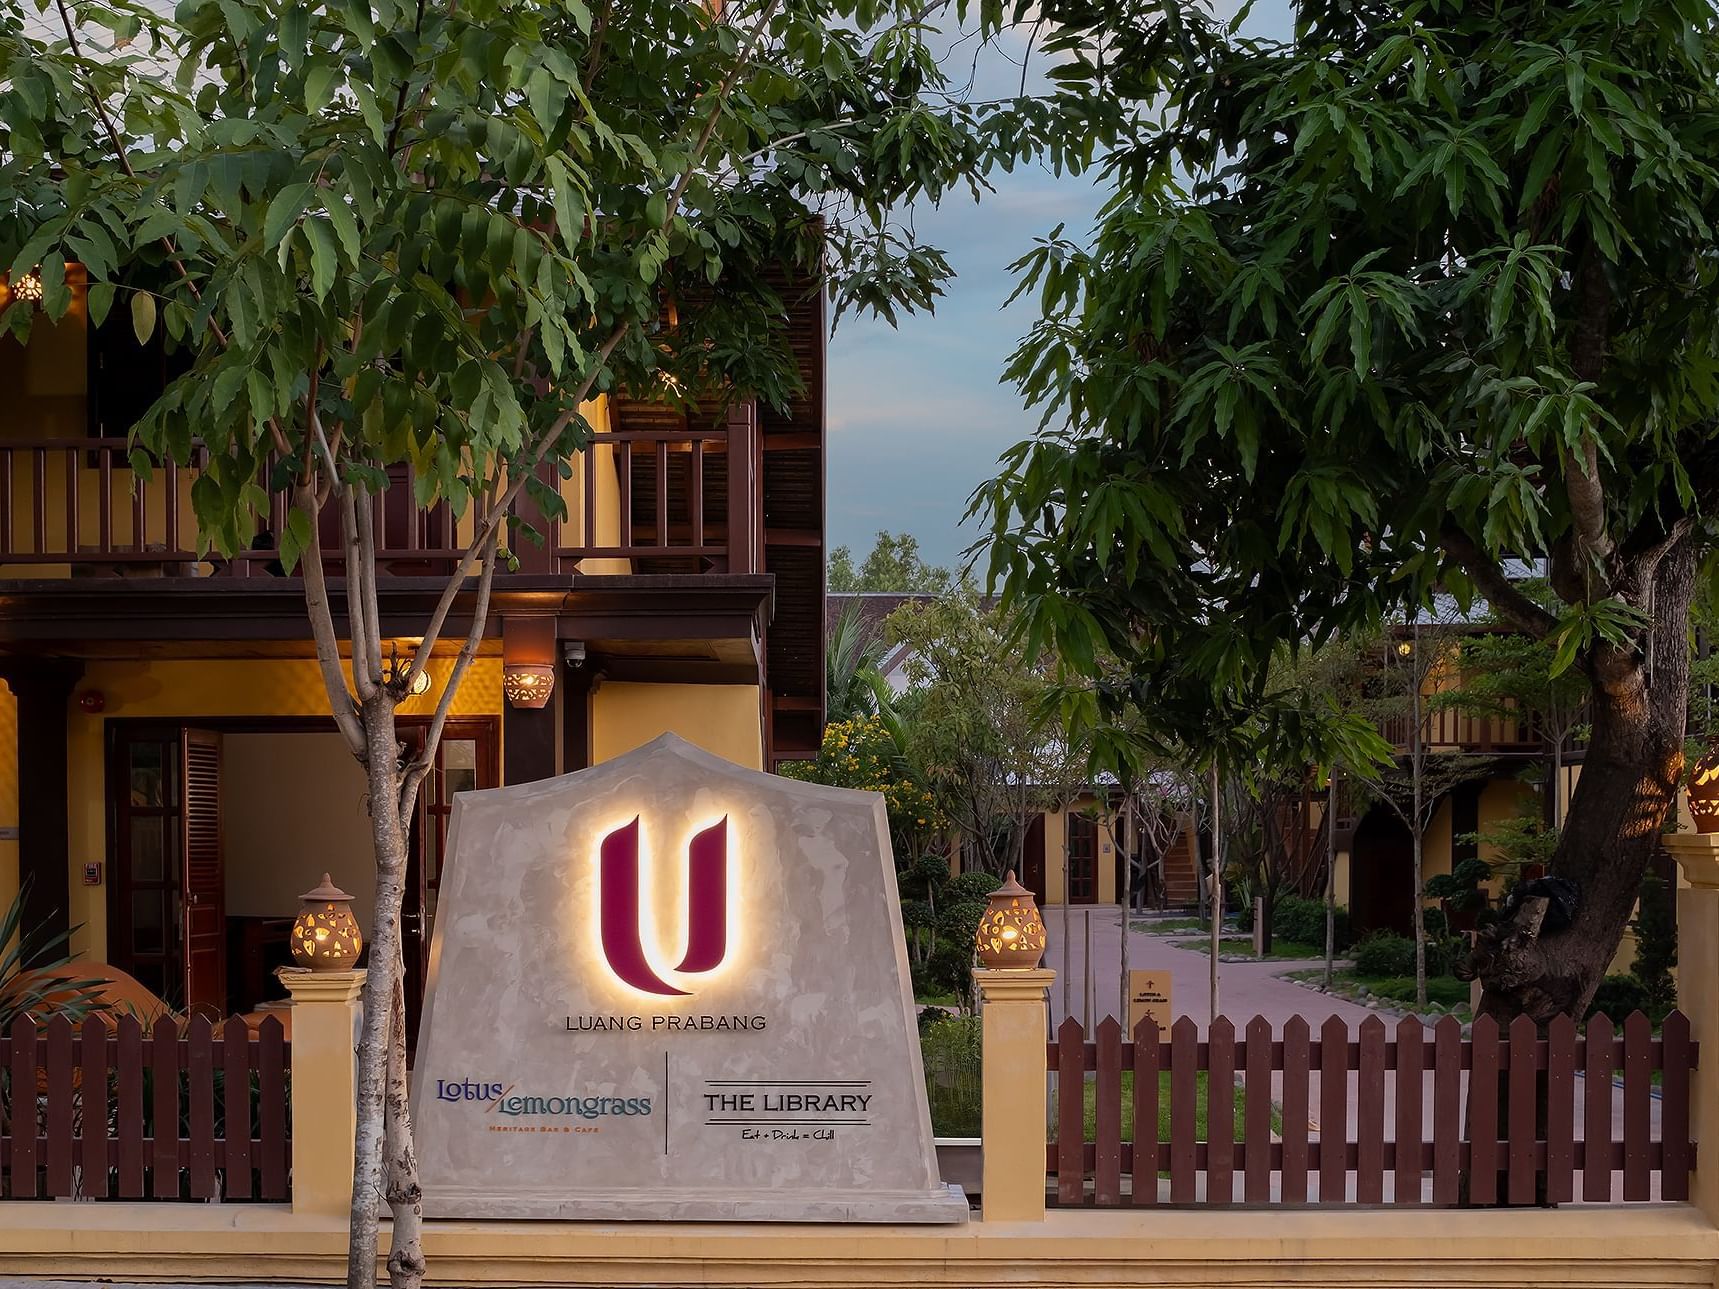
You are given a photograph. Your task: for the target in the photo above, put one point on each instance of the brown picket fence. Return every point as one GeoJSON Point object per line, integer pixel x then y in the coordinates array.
{"type": "Point", "coordinates": [1440, 1117]}
{"type": "Point", "coordinates": [184, 1112]}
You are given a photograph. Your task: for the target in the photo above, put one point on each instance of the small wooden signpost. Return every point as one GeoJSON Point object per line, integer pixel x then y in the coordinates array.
{"type": "Point", "coordinates": [1149, 995]}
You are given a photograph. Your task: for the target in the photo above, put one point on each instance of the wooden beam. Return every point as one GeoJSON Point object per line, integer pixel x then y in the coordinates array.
{"type": "Point", "coordinates": [809, 537]}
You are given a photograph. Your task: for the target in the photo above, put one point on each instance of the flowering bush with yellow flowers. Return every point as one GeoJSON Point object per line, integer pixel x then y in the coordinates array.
{"type": "Point", "coordinates": [862, 753]}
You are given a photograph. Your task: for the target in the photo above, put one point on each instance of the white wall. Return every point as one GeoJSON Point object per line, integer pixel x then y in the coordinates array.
{"type": "Point", "coordinates": [292, 808]}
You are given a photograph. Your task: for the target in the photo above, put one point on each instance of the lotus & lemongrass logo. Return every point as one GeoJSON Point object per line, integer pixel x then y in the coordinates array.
{"type": "Point", "coordinates": [623, 911]}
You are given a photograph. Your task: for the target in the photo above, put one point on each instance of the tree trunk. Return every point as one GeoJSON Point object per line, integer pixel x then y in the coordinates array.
{"type": "Point", "coordinates": [405, 1198]}
{"type": "Point", "coordinates": [1420, 922]}
{"type": "Point", "coordinates": [382, 768]}
{"type": "Point", "coordinates": [1531, 964]}
{"type": "Point", "coordinates": [1330, 876]}
{"type": "Point", "coordinates": [1417, 767]}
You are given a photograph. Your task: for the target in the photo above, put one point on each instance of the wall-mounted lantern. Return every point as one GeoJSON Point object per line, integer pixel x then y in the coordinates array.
{"type": "Point", "coordinates": [528, 653]}
{"type": "Point", "coordinates": [325, 936]}
{"type": "Point", "coordinates": [28, 287]}
{"type": "Point", "coordinates": [528, 684]}
{"type": "Point", "coordinates": [1012, 934]}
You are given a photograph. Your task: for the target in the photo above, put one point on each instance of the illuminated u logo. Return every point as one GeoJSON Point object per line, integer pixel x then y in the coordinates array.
{"type": "Point", "coordinates": [621, 906]}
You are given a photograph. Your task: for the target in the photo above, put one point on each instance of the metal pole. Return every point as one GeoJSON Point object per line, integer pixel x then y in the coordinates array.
{"type": "Point", "coordinates": [1086, 1010]}
{"type": "Point", "coordinates": [1122, 983]}
{"type": "Point", "coordinates": [1067, 931]}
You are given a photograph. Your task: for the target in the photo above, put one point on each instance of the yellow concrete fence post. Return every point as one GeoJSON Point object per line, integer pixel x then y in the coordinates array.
{"type": "Point", "coordinates": [325, 1012]}
{"type": "Point", "coordinates": [1012, 1024]}
{"type": "Point", "coordinates": [1697, 854]}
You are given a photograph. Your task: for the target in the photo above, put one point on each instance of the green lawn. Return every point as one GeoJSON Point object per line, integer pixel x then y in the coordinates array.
{"type": "Point", "coordinates": [1443, 990]}
{"type": "Point", "coordinates": [935, 1000]}
{"type": "Point", "coordinates": [953, 1085]}
{"type": "Point", "coordinates": [1287, 949]}
{"type": "Point", "coordinates": [1091, 1102]}
{"type": "Point", "coordinates": [1167, 926]}
{"type": "Point", "coordinates": [1446, 991]}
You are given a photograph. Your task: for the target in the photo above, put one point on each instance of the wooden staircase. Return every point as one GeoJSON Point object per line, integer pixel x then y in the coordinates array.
{"type": "Point", "coordinates": [1181, 874]}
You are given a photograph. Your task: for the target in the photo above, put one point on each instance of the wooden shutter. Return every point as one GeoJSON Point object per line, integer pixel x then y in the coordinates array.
{"type": "Point", "coordinates": [205, 905]}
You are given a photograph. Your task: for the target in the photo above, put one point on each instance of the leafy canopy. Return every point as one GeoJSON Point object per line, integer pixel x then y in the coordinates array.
{"type": "Point", "coordinates": [893, 564]}
{"type": "Point", "coordinates": [1426, 287]}
{"type": "Point", "coordinates": [413, 232]}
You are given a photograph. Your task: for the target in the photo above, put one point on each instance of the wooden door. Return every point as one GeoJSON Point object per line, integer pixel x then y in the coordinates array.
{"type": "Point", "coordinates": [145, 864]}
{"type": "Point", "coordinates": [203, 909]}
{"type": "Point", "coordinates": [1033, 859]}
{"type": "Point", "coordinates": [1082, 858]}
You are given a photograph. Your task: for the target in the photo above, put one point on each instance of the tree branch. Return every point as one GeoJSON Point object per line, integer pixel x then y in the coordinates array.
{"type": "Point", "coordinates": [356, 626]}
{"type": "Point", "coordinates": [365, 514]}
{"type": "Point", "coordinates": [321, 616]}
{"type": "Point", "coordinates": [474, 635]}
{"type": "Point", "coordinates": [1500, 591]}
{"type": "Point", "coordinates": [1582, 483]}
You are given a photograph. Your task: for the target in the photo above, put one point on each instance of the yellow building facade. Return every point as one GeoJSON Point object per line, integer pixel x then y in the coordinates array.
{"type": "Point", "coordinates": [166, 749]}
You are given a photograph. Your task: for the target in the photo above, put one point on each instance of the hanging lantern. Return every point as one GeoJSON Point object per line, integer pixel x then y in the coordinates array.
{"type": "Point", "coordinates": [1012, 934]}
{"type": "Point", "coordinates": [325, 936]}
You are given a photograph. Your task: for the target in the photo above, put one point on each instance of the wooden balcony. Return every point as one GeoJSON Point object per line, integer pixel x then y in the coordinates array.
{"type": "Point", "coordinates": [639, 502]}
{"type": "Point", "coordinates": [1449, 730]}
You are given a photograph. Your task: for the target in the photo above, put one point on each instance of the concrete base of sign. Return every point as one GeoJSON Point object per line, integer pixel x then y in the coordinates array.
{"type": "Point", "coordinates": [668, 988]}
{"type": "Point", "coordinates": [905, 1207]}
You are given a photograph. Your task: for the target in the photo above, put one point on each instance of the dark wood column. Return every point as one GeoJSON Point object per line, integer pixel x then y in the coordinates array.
{"type": "Point", "coordinates": [574, 696]}
{"type": "Point", "coordinates": [42, 687]}
{"type": "Point", "coordinates": [530, 739]}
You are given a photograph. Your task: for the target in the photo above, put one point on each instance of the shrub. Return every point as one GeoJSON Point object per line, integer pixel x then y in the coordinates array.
{"type": "Point", "coordinates": [1384, 953]}
{"type": "Point", "coordinates": [973, 886]}
{"type": "Point", "coordinates": [924, 874]}
{"type": "Point", "coordinates": [1617, 997]}
{"type": "Point", "coordinates": [959, 922]}
{"type": "Point", "coordinates": [916, 915]}
{"type": "Point", "coordinates": [1464, 887]}
{"type": "Point", "coordinates": [1436, 923]}
{"type": "Point", "coordinates": [951, 967]}
{"type": "Point", "coordinates": [1303, 920]}
{"type": "Point", "coordinates": [924, 984]}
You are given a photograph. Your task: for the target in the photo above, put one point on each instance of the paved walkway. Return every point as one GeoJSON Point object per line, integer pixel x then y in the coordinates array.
{"type": "Point", "coordinates": [1245, 989]}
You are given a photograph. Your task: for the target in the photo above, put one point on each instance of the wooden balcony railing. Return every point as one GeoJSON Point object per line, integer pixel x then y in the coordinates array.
{"type": "Point", "coordinates": [1447, 729]}
{"type": "Point", "coordinates": [665, 501]}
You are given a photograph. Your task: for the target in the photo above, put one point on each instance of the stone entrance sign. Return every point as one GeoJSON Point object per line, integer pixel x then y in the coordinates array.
{"type": "Point", "coordinates": [669, 988]}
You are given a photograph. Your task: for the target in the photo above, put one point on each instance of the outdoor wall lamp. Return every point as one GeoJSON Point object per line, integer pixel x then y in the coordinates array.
{"type": "Point", "coordinates": [325, 936]}
{"type": "Point", "coordinates": [28, 287]}
{"type": "Point", "coordinates": [397, 668]}
{"type": "Point", "coordinates": [1012, 934]}
{"type": "Point", "coordinates": [528, 684]}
